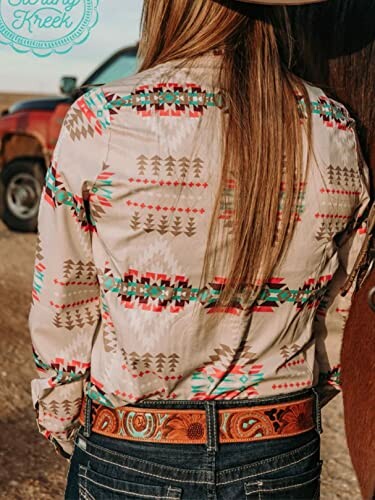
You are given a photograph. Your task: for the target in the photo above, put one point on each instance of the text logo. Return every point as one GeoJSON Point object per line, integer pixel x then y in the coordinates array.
{"type": "Point", "coordinates": [45, 27]}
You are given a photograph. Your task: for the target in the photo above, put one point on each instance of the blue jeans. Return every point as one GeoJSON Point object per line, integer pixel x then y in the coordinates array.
{"type": "Point", "coordinates": [283, 468]}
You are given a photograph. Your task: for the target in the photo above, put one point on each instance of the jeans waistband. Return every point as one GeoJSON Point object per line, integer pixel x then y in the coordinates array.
{"type": "Point", "coordinates": [224, 403]}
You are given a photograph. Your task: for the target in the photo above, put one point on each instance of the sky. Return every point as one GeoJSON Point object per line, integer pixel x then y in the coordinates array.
{"type": "Point", "coordinates": [118, 27]}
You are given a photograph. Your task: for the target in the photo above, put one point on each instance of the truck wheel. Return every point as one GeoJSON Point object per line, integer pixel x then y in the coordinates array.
{"type": "Point", "coordinates": [1, 200]}
{"type": "Point", "coordinates": [23, 180]}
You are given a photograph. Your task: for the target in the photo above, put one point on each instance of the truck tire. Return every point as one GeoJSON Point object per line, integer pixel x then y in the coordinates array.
{"type": "Point", "coordinates": [22, 180]}
{"type": "Point", "coordinates": [1, 200]}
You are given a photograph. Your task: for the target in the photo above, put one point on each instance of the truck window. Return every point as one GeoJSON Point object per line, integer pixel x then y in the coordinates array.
{"type": "Point", "coordinates": [124, 65]}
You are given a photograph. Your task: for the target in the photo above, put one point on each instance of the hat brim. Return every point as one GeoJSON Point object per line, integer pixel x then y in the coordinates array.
{"type": "Point", "coordinates": [282, 2]}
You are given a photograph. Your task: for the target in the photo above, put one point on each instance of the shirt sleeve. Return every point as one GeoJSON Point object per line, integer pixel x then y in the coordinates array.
{"type": "Point", "coordinates": [335, 306]}
{"type": "Point", "coordinates": [65, 311]}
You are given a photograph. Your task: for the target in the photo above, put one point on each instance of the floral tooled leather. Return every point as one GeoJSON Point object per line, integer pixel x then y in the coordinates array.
{"type": "Point", "coordinates": [189, 426]}
{"type": "Point", "coordinates": [266, 422]}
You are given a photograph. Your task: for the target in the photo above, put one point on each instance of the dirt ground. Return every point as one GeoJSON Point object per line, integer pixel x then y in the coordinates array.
{"type": "Point", "coordinates": [29, 468]}
{"type": "Point", "coordinates": [8, 98]}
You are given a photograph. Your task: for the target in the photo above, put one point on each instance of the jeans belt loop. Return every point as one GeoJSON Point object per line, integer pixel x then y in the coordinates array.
{"type": "Point", "coordinates": [317, 411]}
{"type": "Point", "coordinates": [87, 424]}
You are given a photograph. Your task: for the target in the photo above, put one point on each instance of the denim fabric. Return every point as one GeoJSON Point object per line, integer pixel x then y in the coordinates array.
{"type": "Point", "coordinates": [284, 468]}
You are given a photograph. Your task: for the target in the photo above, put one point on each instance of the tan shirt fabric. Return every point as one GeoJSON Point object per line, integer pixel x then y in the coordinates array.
{"type": "Point", "coordinates": [123, 225]}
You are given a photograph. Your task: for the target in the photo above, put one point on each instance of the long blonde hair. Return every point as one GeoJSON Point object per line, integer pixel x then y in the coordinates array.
{"type": "Point", "coordinates": [262, 134]}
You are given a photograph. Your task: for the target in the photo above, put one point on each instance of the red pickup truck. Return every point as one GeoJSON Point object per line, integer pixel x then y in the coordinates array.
{"type": "Point", "coordinates": [28, 134]}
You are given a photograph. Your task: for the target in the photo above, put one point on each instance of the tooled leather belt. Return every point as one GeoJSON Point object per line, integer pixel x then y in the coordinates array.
{"type": "Point", "coordinates": [189, 426]}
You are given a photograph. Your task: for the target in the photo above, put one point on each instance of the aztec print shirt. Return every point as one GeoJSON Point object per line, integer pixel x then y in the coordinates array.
{"type": "Point", "coordinates": [123, 225]}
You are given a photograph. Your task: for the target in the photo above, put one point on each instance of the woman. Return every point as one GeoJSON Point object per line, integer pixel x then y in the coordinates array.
{"type": "Point", "coordinates": [192, 222]}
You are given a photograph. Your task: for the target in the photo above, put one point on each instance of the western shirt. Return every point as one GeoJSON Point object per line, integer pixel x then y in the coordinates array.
{"type": "Point", "coordinates": [118, 312]}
